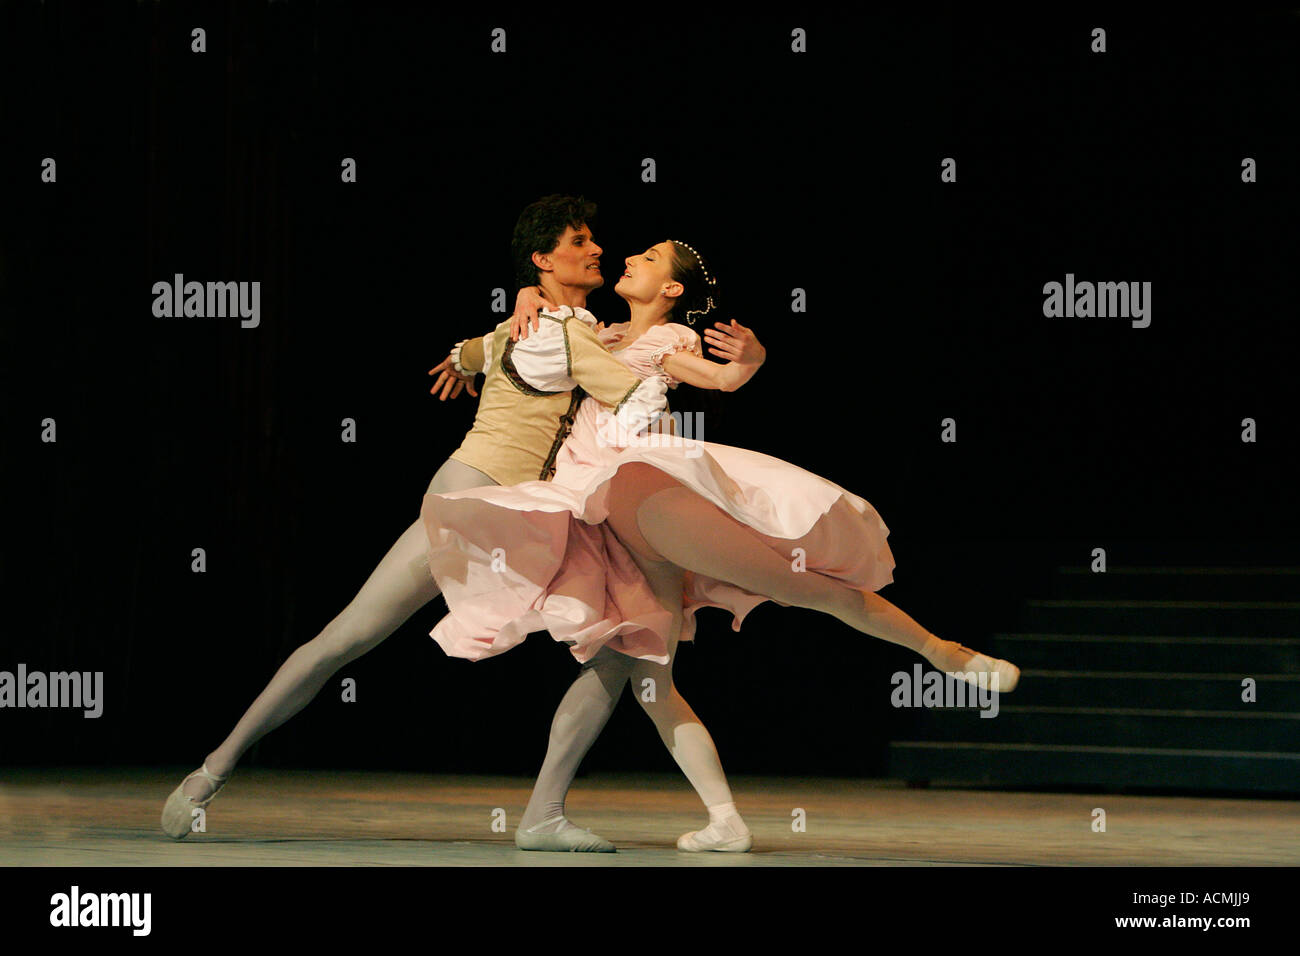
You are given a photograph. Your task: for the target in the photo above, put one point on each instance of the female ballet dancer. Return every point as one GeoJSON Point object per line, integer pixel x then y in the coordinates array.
{"type": "Point", "coordinates": [706, 524]}
{"type": "Point", "coordinates": [592, 570]}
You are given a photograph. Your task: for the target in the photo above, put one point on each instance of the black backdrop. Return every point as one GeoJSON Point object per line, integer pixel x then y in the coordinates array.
{"type": "Point", "coordinates": [818, 171]}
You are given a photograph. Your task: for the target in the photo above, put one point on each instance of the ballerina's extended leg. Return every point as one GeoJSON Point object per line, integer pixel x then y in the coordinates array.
{"type": "Point", "coordinates": [692, 532]}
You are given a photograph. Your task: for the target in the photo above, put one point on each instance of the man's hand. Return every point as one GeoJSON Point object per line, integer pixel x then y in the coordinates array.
{"type": "Point", "coordinates": [735, 343]}
{"type": "Point", "coordinates": [450, 381]}
{"type": "Point", "coordinates": [528, 304]}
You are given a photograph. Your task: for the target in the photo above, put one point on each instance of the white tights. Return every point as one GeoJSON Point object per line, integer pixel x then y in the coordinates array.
{"type": "Point", "coordinates": [398, 587]}
{"type": "Point", "coordinates": [590, 700]}
{"type": "Point", "coordinates": [670, 529]}
{"type": "Point", "coordinates": [659, 519]}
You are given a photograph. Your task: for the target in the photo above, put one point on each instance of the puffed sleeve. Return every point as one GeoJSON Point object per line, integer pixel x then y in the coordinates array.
{"type": "Point", "coordinates": [670, 338]}
{"type": "Point", "coordinates": [541, 361]}
{"type": "Point", "coordinates": [472, 355]}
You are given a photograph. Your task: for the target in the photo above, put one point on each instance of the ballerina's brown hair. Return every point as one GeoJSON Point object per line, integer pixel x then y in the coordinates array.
{"type": "Point", "coordinates": [700, 294]}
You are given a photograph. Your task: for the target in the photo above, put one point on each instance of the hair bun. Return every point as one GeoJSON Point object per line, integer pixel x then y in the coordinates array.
{"type": "Point", "coordinates": [701, 286]}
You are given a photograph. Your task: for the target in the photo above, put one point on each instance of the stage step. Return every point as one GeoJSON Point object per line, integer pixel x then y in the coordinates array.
{"type": "Point", "coordinates": [1177, 584]}
{"type": "Point", "coordinates": [1159, 689]}
{"type": "Point", "coordinates": [1229, 656]}
{"type": "Point", "coordinates": [1273, 619]}
{"type": "Point", "coordinates": [1134, 679]}
{"type": "Point", "coordinates": [1177, 729]}
{"type": "Point", "coordinates": [1111, 768]}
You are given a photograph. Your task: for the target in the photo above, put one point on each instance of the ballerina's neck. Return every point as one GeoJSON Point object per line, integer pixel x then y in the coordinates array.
{"type": "Point", "coordinates": [641, 323]}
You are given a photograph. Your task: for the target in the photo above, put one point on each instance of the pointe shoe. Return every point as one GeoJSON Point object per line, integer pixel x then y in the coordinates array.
{"type": "Point", "coordinates": [1008, 674]}
{"type": "Point", "coordinates": [177, 816]}
{"type": "Point", "coordinates": [699, 841]}
{"type": "Point", "coordinates": [570, 839]}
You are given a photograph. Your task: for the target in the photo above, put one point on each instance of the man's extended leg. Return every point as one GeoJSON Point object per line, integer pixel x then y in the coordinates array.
{"type": "Point", "coordinates": [398, 587]}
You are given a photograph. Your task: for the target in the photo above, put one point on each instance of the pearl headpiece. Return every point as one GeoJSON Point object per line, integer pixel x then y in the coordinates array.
{"type": "Point", "coordinates": [709, 280]}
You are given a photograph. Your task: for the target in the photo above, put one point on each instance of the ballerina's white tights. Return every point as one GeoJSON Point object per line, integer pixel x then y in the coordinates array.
{"type": "Point", "coordinates": [659, 519]}
{"type": "Point", "coordinates": [591, 699]}
{"type": "Point", "coordinates": [668, 528]}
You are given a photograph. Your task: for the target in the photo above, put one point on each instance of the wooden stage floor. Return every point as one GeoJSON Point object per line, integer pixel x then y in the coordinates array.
{"type": "Point", "coordinates": [265, 818]}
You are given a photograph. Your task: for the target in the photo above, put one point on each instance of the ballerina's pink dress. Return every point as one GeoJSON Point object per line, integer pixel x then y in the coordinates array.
{"type": "Point", "coordinates": [538, 556]}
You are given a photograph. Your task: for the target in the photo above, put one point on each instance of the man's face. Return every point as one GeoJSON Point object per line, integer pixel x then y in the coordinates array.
{"type": "Point", "coordinates": [575, 260]}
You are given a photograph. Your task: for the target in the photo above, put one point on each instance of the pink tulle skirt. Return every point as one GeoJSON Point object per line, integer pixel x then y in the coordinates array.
{"type": "Point", "coordinates": [538, 556]}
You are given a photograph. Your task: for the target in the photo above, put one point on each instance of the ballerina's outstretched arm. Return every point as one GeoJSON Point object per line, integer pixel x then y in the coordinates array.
{"type": "Point", "coordinates": [732, 341]}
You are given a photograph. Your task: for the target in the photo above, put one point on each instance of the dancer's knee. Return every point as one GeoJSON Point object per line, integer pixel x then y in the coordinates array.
{"type": "Point", "coordinates": [631, 487]}
{"type": "Point", "coordinates": [654, 688]}
{"type": "Point", "coordinates": [670, 517]}
{"type": "Point", "coordinates": [610, 662]}
{"type": "Point", "coordinates": [344, 640]}
{"type": "Point", "coordinates": [318, 659]}
{"type": "Point", "coordinates": [665, 707]}
{"type": "Point", "coordinates": [611, 668]}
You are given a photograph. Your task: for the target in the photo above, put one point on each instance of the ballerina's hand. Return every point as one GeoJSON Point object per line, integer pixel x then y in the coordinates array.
{"type": "Point", "coordinates": [736, 343]}
{"type": "Point", "coordinates": [528, 304]}
{"type": "Point", "coordinates": [450, 381]}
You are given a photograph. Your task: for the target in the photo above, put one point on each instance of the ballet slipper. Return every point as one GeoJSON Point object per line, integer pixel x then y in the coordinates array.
{"type": "Point", "coordinates": [714, 838]}
{"type": "Point", "coordinates": [570, 839]}
{"type": "Point", "coordinates": [1008, 674]}
{"type": "Point", "coordinates": [177, 815]}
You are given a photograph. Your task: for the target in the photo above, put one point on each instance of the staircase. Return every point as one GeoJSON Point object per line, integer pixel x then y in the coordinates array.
{"type": "Point", "coordinates": [1132, 679]}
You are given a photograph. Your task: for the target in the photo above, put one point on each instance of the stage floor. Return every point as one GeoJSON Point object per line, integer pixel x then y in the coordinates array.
{"type": "Point", "coordinates": [315, 818]}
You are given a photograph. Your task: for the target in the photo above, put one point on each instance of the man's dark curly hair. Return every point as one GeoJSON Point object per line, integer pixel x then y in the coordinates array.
{"type": "Point", "coordinates": [539, 229]}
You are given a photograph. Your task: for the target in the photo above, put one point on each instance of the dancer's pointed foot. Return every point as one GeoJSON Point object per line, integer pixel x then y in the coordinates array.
{"type": "Point", "coordinates": [178, 815]}
{"type": "Point", "coordinates": [559, 834]}
{"type": "Point", "coordinates": [1003, 675]}
{"type": "Point", "coordinates": [953, 658]}
{"type": "Point", "coordinates": [726, 836]}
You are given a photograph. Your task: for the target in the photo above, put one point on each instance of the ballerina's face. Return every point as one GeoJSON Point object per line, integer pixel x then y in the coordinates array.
{"type": "Point", "coordinates": [649, 275]}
